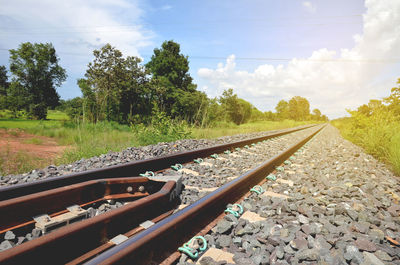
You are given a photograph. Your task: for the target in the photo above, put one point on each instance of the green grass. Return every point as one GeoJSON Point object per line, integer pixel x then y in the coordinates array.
{"type": "Point", "coordinates": [89, 140]}
{"type": "Point", "coordinates": [55, 119]}
{"type": "Point", "coordinates": [57, 115]}
{"type": "Point", "coordinates": [20, 162]}
{"type": "Point", "coordinates": [377, 135]}
{"type": "Point", "coordinates": [37, 141]}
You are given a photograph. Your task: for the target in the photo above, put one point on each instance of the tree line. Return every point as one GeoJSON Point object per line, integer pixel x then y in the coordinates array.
{"type": "Point", "coordinates": [122, 89]}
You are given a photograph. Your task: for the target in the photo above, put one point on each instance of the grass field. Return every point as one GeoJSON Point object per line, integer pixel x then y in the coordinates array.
{"type": "Point", "coordinates": [376, 135]}
{"type": "Point", "coordinates": [87, 140]}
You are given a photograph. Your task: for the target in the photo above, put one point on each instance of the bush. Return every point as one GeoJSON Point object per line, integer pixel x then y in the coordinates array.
{"type": "Point", "coordinates": [161, 129]}
{"type": "Point", "coordinates": [38, 111]}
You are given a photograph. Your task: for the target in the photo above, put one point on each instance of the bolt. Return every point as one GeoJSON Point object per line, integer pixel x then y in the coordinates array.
{"type": "Point", "coordinates": [129, 189]}
{"type": "Point", "coordinates": [141, 188]}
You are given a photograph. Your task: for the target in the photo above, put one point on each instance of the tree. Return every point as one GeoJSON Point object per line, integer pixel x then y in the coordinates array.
{"type": "Point", "coordinates": [270, 116]}
{"type": "Point", "coordinates": [256, 114]}
{"type": "Point", "coordinates": [394, 100]}
{"type": "Point", "coordinates": [299, 108]}
{"type": "Point", "coordinates": [282, 109]}
{"type": "Point", "coordinates": [115, 88]}
{"type": "Point", "coordinates": [3, 80]}
{"type": "Point", "coordinates": [213, 112]}
{"type": "Point", "coordinates": [245, 110]}
{"type": "Point", "coordinates": [89, 105]}
{"type": "Point", "coordinates": [190, 105]}
{"type": "Point", "coordinates": [236, 109]}
{"type": "Point", "coordinates": [317, 112]}
{"type": "Point", "coordinates": [73, 108]}
{"type": "Point", "coordinates": [35, 76]}
{"type": "Point", "coordinates": [364, 109]}
{"type": "Point", "coordinates": [170, 69]}
{"type": "Point", "coordinates": [3, 87]}
{"type": "Point", "coordinates": [316, 115]}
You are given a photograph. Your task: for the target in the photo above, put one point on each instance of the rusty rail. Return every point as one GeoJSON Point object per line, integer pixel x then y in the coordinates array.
{"type": "Point", "coordinates": [70, 242]}
{"type": "Point", "coordinates": [129, 169]}
{"type": "Point", "coordinates": [19, 211]}
{"type": "Point", "coordinates": [157, 242]}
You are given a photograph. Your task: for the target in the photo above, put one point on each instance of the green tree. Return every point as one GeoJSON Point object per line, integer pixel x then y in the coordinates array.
{"type": "Point", "coordinates": [270, 116]}
{"type": "Point", "coordinates": [170, 69]}
{"type": "Point", "coordinates": [256, 114]}
{"type": "Point", "coordinates": [116, 88]}
{"type": "Point", "coordinates": [16, 98]}
{"type": "Point", "coordinates": [236, 109]}
{"type": "Point", "coordinates": [299, 108]}
{"type": "Point", "coordinates": [364, 109]}
{"type": "Point", "coordinates": [190, 106]}
{"type": "Point", "coordinates": [3, 80]}
{"type": "Point", "coordinates": [3, 87]}
{"type": "Point", "coordinates": [245, 110]}
{"type": "Point", "coordinates": [73, 108]}
{"type": "Point", "coordinates": [393, 100]}
{"type": "Point", "coordinates": [89, 105]}
{"type": "Point", "coordinates": [372, 106]}
{"type": "Point", "coordinates": [282, 109]}
{"type": "Point", "coordinates": [213, 112]}
{"type": "Point", "coordinates": [316, 114]}
{"type": "Point", "coordinates": [35, 76]}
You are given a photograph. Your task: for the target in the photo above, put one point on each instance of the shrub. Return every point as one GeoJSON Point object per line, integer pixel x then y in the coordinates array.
{"type": "Point", "coordinates": [161, 129]}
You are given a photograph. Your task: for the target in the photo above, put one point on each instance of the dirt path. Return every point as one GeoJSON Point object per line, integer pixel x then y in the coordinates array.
{"type": "Point", "coordinates": [19, 150]}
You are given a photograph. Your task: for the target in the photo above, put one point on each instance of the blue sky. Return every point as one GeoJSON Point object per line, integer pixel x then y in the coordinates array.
{"type": "Point", "coordinates": [312, 38]}
{"type": "Point", "coordinates": [259, 29]}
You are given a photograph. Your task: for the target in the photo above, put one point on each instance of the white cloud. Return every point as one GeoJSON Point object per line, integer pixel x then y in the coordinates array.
{"type": "Point", "coordinates": [330, 86]}
{"type": "Point", "coordinates": [75, 28]}
{"type": "Point", "coordinates": [309, 6]}
{"type": "Point", "coordinates": [166, 7]}
{"type": "Point", "coordinates": [78, 26]}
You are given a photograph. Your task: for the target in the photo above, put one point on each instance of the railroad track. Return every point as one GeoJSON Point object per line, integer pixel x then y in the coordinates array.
{"type": "Point", "coordinates": [116, 216]}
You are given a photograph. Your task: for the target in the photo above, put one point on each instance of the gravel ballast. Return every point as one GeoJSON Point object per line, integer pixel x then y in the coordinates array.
{"type": "Point", "coordinates": [342, 208]}
{"type": "Point", "coordinates": [336, 204]}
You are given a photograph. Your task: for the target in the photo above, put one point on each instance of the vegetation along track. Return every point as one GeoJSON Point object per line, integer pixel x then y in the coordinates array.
{"type": "Point", "coordinates": [95, 195]}
{"type": "Point", "coordinates": [313, 214]}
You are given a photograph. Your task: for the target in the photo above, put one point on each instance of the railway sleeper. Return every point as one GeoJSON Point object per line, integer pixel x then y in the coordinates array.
{"type": "Point", "coordinates": [47, 224]}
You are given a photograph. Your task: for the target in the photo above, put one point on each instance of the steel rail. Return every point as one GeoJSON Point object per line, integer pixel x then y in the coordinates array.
{"type": "Point", "coordinates": [87, 256]}
{"type": "Point", "coordinates": [163, 238]}
{"type": "Point", "coordinates": [17, 211]}
{"type": "Point", "coordinates": [70, 242]}
{"type": "Point", "coordinates": [130, 169]}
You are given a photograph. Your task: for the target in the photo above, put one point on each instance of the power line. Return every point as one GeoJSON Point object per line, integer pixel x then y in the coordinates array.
{"type": "Point", "coordinates": [389, 61]}
{"type": "Point", "coordinates": [187, 26]}
{"type": "Point", "coordinates": [148, 23]}
{"type": "Point", "coordinates": [54, 31]}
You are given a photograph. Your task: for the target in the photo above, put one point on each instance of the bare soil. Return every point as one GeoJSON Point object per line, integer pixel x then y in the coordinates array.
{"type": "Point", "coordinates": [20, 151]}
